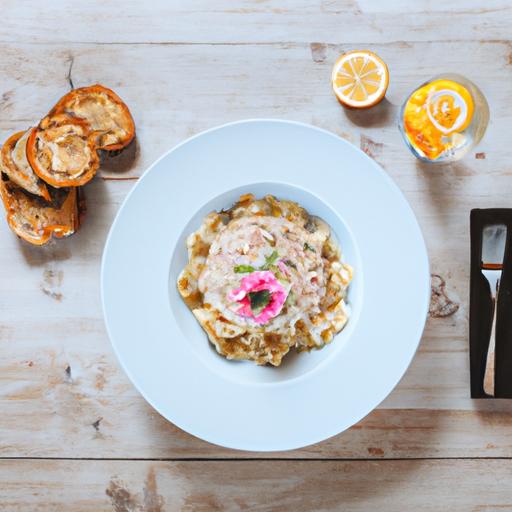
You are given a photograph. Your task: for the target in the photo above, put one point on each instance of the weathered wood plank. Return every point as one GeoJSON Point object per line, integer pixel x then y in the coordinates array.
{"type": "Point", "coordinates": [247, 21]}
{"type": "Point", "coordinates": [56, 367]}
{"type": "Point", "coordinates": [146, 486]}
{"type": "Point", "coordinates": [65, 423]}
{"type": "Point", "coordinates": [50, 313]}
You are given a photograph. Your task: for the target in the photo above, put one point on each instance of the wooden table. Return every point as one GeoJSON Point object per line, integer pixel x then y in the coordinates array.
{"type": "Point", "coordinates": [74, 433]}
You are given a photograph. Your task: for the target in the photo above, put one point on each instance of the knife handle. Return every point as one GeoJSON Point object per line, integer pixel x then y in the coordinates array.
{"type": "Point", "coordinates": [503, 366]}
{"type": "Point", "coordinates": [490, 364]}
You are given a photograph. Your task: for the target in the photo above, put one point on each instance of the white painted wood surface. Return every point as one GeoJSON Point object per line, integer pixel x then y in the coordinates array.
{"type": "Point", "coordinates": [206, 486]}
{"type": "Point", "coordinates": [183, 67]}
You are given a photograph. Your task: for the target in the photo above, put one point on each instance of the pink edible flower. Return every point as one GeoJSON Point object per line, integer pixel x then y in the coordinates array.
{"type": "Point", "coordinates": [256, 282]}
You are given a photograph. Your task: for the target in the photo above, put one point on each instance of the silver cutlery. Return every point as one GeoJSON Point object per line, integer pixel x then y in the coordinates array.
{"type": "Point", "coordinates": [493, 251]}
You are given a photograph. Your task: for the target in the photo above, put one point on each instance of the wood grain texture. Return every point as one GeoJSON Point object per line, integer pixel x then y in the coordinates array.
{"type": "Point", "coordinates": [254, 21]}
{"type": "Point", "coordinates": [54, 291]}
{"type": "Point", "coordinates": [322, 486]}
{"type": "Point", "coordinates": [184, 67]}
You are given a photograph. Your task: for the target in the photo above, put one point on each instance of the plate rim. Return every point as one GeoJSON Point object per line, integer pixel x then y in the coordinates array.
{"type": "Point", "coordinates": [381, 396]}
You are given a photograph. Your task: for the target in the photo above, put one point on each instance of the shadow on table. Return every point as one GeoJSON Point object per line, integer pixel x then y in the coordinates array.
{"type": "Point", "coordinates": [494, 410]}
{"type": "Point", "coordinates": [445, 184]}
{"type": "Point", "coordinates": [120, 161]}
{"type": "Point", "coordinates": [380, 115]}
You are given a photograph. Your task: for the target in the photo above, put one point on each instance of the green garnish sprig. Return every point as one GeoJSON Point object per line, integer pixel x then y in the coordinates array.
{"type": "Point", "coordinates": [269, 263]}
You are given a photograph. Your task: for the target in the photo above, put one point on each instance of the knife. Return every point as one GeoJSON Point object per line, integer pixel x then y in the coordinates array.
{"type": "Point", "coordinates": [493, 252]}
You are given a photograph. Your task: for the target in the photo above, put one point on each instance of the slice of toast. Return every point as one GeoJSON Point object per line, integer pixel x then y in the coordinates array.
{"type": "Point", "coordinates": [15, 164]}
{"type": "Point", "coordinates": [62, 151]}
{"type": "Point", "coordinates": [104, 110]}
{"type": "Point", "coordinates": [36, 220]}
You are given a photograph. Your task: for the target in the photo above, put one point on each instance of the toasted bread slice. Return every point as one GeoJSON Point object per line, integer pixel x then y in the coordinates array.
{"type": "Point", "coordinates": [62, 151]}
{"type": "Point", "coordinates": [36, 220]}
{"type": "Point", "coordinates": [104, 110]}
{"type": "Point", "coordinates": [16, 166]}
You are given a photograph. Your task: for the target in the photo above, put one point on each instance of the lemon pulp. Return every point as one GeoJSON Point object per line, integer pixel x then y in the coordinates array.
{"type": "Point", "coordinates": [359, 79]}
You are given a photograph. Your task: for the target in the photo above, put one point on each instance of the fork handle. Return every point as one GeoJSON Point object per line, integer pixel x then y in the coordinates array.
{"type": "Point", "coordinates": [480, 326]}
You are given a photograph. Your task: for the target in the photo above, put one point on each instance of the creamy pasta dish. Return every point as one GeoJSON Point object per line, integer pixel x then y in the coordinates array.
{"type": "Point", "coordinates": [265, 277]}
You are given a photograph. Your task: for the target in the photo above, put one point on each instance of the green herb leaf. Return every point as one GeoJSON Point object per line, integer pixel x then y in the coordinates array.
{"type": "Point", "coordinates": [279, 275]}
{"type": "Point", "coordinates": [244, 269]}
{"type": "Point", "coordinates": [259, 301]}
{"type": "Point", "coordinates": [270, 260]}
{"type": "Point", "coordinates": [290, 300]}
{"type": "Point", "coordinates": [308, 247]}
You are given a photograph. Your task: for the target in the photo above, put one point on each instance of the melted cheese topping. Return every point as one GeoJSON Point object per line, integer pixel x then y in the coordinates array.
{"type": "Point", "coordinates": [104, 116]}
{"type": "Point", "coordinates": [65, 150]}
{"type": "Point", "coordinates": [308, 265]}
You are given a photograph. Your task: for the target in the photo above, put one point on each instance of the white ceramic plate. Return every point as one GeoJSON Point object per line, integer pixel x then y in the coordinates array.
{"type": "Point", "coordinates": [312, 396]}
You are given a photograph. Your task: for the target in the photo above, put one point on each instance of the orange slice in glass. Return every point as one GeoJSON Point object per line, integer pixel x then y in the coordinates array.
{"type": "Point", "coordinates": [449, 106]}
{"type": "Point", "coordinates": [435, 113]}
{"type": "Point", "coordinates": [360, 79]}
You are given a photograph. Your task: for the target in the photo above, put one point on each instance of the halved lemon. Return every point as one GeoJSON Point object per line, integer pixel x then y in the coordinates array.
{"type": "Point", "coordinates": [360, 79]}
